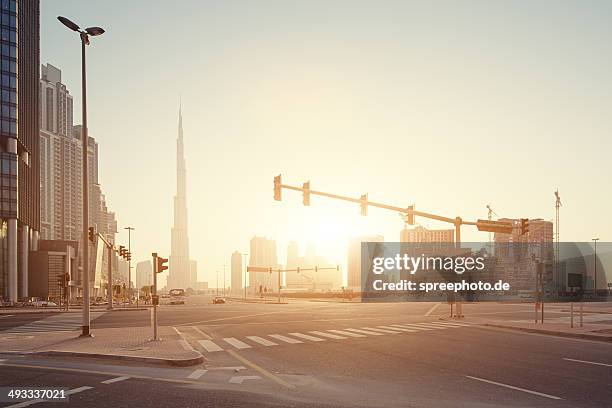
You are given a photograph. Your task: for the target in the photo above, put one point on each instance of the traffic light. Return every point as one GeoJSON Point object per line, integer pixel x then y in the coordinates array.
{"type": "Point", "coordinates": [524, 226]}
{"type": "Point", "coordinates": [121, 250]}
{"type": "Point", "coordinates": [161, 264]}
{"type": "Point", "coordinates": [364, 204]}
{"type": "Point", "coordinates": [92, 234]}
{"type": "Point", "coordinates": [277, 188]}
{"type": "Point", "coordinates": [410, 215]}
{"type": "Point", "coordinates": [128, 256]}
{"type": "Point", "coordinates": [306, 193]}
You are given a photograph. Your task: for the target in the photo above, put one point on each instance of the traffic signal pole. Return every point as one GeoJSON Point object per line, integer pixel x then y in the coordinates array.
{"type": "Point", "coordinates": [154, 296]}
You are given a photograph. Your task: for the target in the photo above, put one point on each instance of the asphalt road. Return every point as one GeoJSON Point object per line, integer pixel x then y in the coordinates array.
{"type": "Point", "coordinates": [335, 354]}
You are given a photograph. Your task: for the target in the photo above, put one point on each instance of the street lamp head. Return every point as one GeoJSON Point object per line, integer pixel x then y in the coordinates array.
{"type": "Point", "coordinates": [94, 31]}
{"type": "Point", "coordinates": [71, 25]}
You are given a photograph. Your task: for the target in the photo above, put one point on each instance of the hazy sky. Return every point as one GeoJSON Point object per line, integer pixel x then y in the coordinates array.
{"type": "Point", "coordinates": [448, 105]}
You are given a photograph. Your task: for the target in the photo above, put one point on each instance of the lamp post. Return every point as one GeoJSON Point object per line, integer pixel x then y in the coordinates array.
{"type": "Point", "coordinates": [84, 35]}
{"type": "Point", "coordinates": [595, 262]}
{"type": "Point", "coordinates": [129, 230]}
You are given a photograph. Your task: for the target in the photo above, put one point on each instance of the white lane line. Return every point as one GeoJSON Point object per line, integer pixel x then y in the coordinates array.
{"type": "Point", "coordinates": [238, 379]}
{"type": "Point", "coordinates": [201, 332]}
{"type": "Point", "coordinates": [432, 326]}
{"type": "Point", "coordinates": [77, 390]}
{"type": "Point", "coordinates": [372, 333]}
{"type": "Point", "coordinates": [236, 343]}
{"type": "Point", "coordinates": [451, 324]}
{"type": "Point", "coordinates": [306, 336]}
{"type": "Point", "coordinates": [588, 362]}
{"type": "Point", "coordinates": [197, 374]}
{"type": "Point", "coordinates": [430, 311]}
{"type": "Point", "coordinates": [114, 380]}
{"type": "Point", "coordinates": [398, 328]}
{"type": "Point", "coordinates": [285, 339]}
{"type": "Point", "coordinates": [328, 335]}
{"type": "Point", "coordinates": [413, 326]}
{"type": "Point", "coordinates": [5, 316]}
{"type": "Point", "coordinates": [386, 331]}
{"type": "Point", "coordinates": [185, 345]}
{"type": "Point", "coordinates": [262, 341]}
{"type": "Point", "coordinates": [346, 333]}
{"type": "Point", "coordinates": [541, 394]}
{"type": "Point", "coordinates": [209, 346]}
{"type": "Point", "coordinates": [177, 331]}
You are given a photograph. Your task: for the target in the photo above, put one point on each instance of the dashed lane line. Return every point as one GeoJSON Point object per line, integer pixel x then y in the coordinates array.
{"type": "Point", "coordinates": [587, 362]}
{"type": "Point", "coordinates": [114, 380]}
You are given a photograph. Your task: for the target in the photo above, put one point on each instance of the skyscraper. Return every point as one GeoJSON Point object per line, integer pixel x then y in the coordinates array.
{"type": "Point", "coordinates": [263, 254]}
{"type": "Point", "coordinates": [236, 273]}
{"type": "Point", "coordinates": [180, 265]}
{"type": "Point", "coordinates": [19, 156]}
{"type": "Point", "coordinates": [354, 260]}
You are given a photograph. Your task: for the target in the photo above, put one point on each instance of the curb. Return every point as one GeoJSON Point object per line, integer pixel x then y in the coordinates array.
{"type": "Point", "coordinates": [585, 336]}
{"type": "Point", "coordinates": [185, 362]}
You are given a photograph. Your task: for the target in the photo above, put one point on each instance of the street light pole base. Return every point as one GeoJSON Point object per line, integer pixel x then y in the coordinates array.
{"type": "Point", "coordinates": [85, 332]}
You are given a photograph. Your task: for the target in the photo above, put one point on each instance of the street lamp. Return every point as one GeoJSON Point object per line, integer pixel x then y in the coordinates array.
{"type": "Point", "coordinates": [595, 262]}
{"type": "Point", "coordinates": [84, 35]}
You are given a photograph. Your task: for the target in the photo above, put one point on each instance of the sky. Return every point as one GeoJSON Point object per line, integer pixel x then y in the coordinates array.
{"type": "Point", "coordinates": [446, 105]}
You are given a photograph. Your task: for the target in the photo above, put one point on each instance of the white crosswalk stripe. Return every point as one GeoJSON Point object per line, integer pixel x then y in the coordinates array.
{"type": "Point", "coordinates": [346, 333]}
{"type": "Point", "coordinates": [435, 326]}
{"type": "Point", "coordinates": [328, 335]}
{"type": "Point", "coordinates": [210, 346]}
{"type": "Point", "coordinates": [262, 341]}
{"type": "Point", "coordinates": [398, 328]}
{"type": "Point", "coordinates": [386, 331]}
{"type": "Point", "coordinates": [306, 337]}
{"type": "Point", "coordinates": [285, 339]}
{"type": "Point", "coordinates": [58, 322]}
{"type": "Point", "coordinates": [451, 324]}
{"type": "Point", "coordinates": [197, 373]}
{"type": "Point", "coordinates": [365, 332]}
{"type": "Point", "coordinates": [413, 326]}
{"type": "Point", "coordinates": [236, 343]}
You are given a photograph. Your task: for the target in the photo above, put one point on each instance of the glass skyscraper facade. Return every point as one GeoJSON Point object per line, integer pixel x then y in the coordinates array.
{"type": "Point", "coordinates": [19, 140]}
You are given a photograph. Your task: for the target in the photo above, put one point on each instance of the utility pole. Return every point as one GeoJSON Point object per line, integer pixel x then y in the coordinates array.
{"type": "Point", "coordinates": [129, 230]}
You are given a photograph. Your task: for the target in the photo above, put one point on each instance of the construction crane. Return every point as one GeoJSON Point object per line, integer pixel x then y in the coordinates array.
{"type": "Point", "coordinates": [490, 215]}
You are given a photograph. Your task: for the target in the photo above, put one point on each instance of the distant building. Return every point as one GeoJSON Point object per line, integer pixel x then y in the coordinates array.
{"type": "Point", "coordinates": [327, 278]}
{"type": "Point", "coordinates": [236, 265]}
{"type": "Point", "coordinates": [144, 274]}
{"type": "Point", "coordinates": [422, 234]}
{"type": "Point", "coordinates": [263, 253]}
{"type": "Point", "coordinates": [354, 260]}
{"type": "Point", "coordinates": [193, 273]}
{"type": "Point", "coordinates": [52, 260]}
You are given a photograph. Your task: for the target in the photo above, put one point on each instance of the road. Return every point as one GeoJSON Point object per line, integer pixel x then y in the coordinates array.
{"type": "Point", "coordinates": [338, 354]}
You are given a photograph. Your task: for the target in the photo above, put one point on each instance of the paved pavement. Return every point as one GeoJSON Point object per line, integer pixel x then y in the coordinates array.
{"type": "Point", "coordinates": [335, 354]}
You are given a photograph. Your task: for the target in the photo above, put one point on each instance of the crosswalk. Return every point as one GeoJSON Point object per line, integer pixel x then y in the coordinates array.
{"type": "Point", "coordinates": [315, 336]}
{"type": "Point", "coordinates": [57, 322]}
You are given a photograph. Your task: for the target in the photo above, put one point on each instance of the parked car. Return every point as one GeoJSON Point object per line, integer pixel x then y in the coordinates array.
{"type": "Point", "coordinates": [44, 303]}
{"type": "Point", "coordinates": [218, 300]}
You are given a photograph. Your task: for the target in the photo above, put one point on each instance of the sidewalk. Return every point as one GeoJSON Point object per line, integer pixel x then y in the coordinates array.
{"type": "Point", "coordinates": [119, 344]}
{"type": "Point", "coordinates": [589, 331]}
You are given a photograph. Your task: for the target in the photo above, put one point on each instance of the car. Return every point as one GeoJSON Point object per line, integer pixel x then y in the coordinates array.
{"type": "Point", "coordinates": [218, 300]}
{"type": "Point", "coordinates": [44, 303]}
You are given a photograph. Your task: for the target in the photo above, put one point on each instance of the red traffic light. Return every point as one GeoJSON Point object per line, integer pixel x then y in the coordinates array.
{"type": "Point", "coordinates": [160, 267]}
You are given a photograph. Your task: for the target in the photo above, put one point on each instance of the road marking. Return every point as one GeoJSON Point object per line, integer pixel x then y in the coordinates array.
{"type": "Point", "coordinates": [431, 326]}
{"type": "Point", "coordinates": [77, 390]}
{"type": "Point", "coordinates": [329, 335]}
{"type": "Point", "coordinates": [398, 328]}
{"type": "Point", "coordinates": [541, 394]}
{"type": "Point", "coordinates": [197, 374]}
{"type": "Point", "coordinates": [285, 339]}
{"type": "Point", "coordinates": [209, 346]}
{"type": "Point", "coordinates": [234, 368]}
{"type": "Point", "coordinates": [451, 324]}
{"type": "Point", "coordinates": [185, 345]}
{"type": "Point", "coordinates": [177, 331]}
{"type": "Point", "coordinates": [236, 343]}
{"type": "Point", "coordinates": [413, 326]}
{"type": "Point", "coordinates": [262, 341]}
{"type": "Point", "coordinates": [201, 332]}
{"type": "Point", "coordinates": [588, 362]}
{"type": "Point", "coordinates": [430, 311]}
{"type": "Point", "coordinates": [365, 332]}
{"type": "Point", "coordinates": [306, 336]}
{"type": "Point", "coordinates": [114, 380]}
{"type": "Point", "coordinates": [382, 330]}
{"type": "Point", "coordinates": [261, 370]}
{"type": "Point", "coordinates": [5, 316]}
{"type": "Point", "coordinates": [238, 379]}
{"type": "Point", "coordinates": [346, 333]}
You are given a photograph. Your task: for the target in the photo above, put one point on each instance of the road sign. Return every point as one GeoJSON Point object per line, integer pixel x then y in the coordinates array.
{"type": "Point", "coordinates": [155, 299]}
